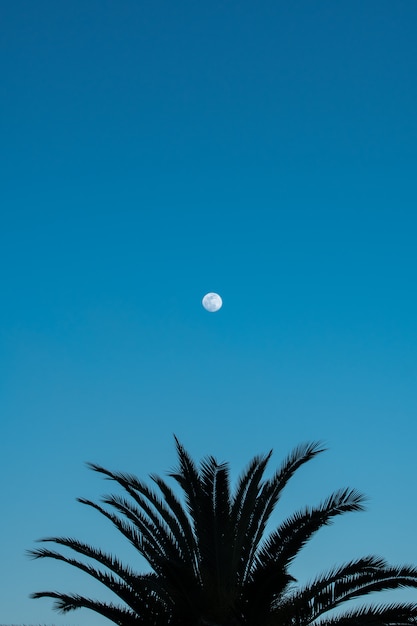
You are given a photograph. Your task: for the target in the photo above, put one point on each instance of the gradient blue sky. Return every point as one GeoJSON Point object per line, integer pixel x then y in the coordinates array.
{"type": "Point", "coordinates": [154, 151]}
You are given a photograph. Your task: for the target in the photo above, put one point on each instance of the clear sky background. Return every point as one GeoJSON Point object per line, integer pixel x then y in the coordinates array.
{"type": "Point", "coordinates": [152, 151]}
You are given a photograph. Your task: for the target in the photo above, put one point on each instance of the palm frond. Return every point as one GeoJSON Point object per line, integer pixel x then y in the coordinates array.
{"type": "Point", "coordinates": [110, 562]}
{"type": "Point", "coordinates": [375, 615]}
{"type": "Point", "coordinates": [171, 519]}
{"type": "Point", "coordinates": [184, 533]}
{"type": "Point", "coordinates": [352, 580]}
{"type": "Point", "coordinates": [143, 542]}
{"type": "Point", "coordinates": [215, 542]}
{"type": "Point", "coordinates": [285, 543]}
{"type": "Point", "coordinates": [188, 478]}
{"type": "Point", "coordinates": [147, 523]}
{"type": "Point", "coordinates": [64, 603]}
{"type": "Point", "coordinates": [243, 512]}
{"type": "Point", "coordinates": [133, 596]}
{"type": "Point", "coordinates": [270, 493]}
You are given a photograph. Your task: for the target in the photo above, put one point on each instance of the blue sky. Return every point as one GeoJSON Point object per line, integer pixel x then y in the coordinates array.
{"type": "Point", "coordinates": [152, 152]}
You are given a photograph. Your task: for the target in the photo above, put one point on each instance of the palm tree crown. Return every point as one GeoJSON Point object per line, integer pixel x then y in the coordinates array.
{"type": "Point", "coordinates": [212, 562]}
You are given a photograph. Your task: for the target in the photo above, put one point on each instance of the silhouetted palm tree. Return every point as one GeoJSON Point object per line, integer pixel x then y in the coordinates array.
{"type": "Point", "coordinates": [212, 564]}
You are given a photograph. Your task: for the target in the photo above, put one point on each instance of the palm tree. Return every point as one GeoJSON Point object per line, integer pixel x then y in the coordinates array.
{"type": "Point", "coordinates": [211, 563]}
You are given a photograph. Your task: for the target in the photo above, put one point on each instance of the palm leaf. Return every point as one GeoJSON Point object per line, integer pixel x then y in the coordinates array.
{"type": "Point", "coordinates": [171, 519]}
{"type": "Point", "coordinates": [69, 602]}
{"type": "Point", "coordinates": [109, 561]}
{"type": "Point", "coordinates": [269, 495]}
{"type": "Point", "coordinates": [285, 543]}
{"type": "Point", "coordinates": [375, 615]}
{"type": "Point", "coordinates": [352, 580]}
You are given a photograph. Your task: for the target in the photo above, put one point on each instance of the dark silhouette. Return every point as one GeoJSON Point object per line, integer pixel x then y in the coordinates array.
{"type": "Point", "coordinates": [212, 564]}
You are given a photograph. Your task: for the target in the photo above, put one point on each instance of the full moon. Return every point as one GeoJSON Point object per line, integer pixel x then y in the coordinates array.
{"type": "Point", "coordinates": [212, 302]}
